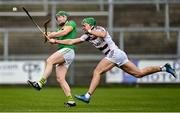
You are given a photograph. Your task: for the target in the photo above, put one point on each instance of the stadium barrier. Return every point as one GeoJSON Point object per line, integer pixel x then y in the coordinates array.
{"type": "Point", "coordinates": [18, 72]}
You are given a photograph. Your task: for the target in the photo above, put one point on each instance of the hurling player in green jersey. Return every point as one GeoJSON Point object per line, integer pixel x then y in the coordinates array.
{"type": "Point", "coordinates": [62, 58]}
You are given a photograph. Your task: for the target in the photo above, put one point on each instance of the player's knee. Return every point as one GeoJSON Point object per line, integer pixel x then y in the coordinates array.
{"type": "Point", "coordinates": [60, 80]}
{"type": "Point", "coordinates": [49, 61]}
{"type": "Point", "coordinates": [97, 72]}
{"type": "Point", "coordinates": [139, 74]}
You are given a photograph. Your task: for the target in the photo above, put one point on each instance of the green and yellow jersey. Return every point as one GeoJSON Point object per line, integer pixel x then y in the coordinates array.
{"type": "Point", "coordinates": [70, 35]}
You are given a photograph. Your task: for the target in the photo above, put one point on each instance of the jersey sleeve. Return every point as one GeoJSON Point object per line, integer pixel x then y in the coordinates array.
{"type": "Point", "coordinates": [84, 37]}
{"type": "Point", "coordinates": [71, 23]}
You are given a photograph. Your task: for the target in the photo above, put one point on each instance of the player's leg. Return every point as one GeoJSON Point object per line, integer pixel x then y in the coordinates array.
{"type": "Point", "coordinates": [103, 66]}
{"type": "Point", "coordinates": [55, 58]}
{"type": "Point", "coordinates": [131, 68]}
{"type": "Point", "coordinates": [61, 71]}
{"type": "Point", "coordinates": [120, 58]}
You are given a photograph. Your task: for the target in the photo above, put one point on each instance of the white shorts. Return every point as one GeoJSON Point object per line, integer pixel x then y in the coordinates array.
{"type": "Point", "coordinates": [117, 56]}
{"type": "Point", "coordinates": [68, 55]}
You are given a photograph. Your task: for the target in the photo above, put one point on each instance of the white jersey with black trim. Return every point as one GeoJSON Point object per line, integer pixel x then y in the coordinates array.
{"type": "Point", "coordinates": [105, 44]}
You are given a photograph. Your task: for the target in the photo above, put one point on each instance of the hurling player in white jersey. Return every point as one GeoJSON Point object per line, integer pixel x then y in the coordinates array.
{"type": "Point", "coordinates": [101, 39]}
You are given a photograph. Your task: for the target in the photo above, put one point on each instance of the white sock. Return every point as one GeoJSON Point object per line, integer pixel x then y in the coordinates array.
{"type": "Point", "coordinates": [163, 68]}
{"type": "Point", "coordinates": [71, 102]}
{"type": "Point", "coordinates": [87, 95]}
{"type": "Point", "coordinates": [40, 84]}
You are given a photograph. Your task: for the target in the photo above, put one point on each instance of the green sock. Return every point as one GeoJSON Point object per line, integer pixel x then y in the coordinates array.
{"type": "Point", "coordinates": [42, 81]}
{"type": "Point", "coordinates": [70, 98]}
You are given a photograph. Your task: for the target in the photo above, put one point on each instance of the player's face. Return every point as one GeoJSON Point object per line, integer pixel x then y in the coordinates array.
{"type": "Point", "coordinates": [86, 27]}
{"type": "Point", "coordinates": [61, 20]}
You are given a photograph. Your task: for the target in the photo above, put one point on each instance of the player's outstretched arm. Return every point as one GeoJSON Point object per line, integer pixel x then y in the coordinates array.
{"type": "Point", "coordinates": [66, 41]}
{"type": "Point", "coordinates": [65, 31]}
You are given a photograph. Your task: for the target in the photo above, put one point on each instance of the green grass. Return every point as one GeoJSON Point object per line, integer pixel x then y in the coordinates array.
{"type": "Point", "coordinates": [110, 99]}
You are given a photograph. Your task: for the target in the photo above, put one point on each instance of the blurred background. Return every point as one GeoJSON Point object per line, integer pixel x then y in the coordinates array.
{"type": "Point", "coordinates": [147, 30]}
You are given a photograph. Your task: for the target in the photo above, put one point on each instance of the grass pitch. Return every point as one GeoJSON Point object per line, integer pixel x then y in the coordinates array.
{"type": "Point", "coordinates": [110, 99]}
